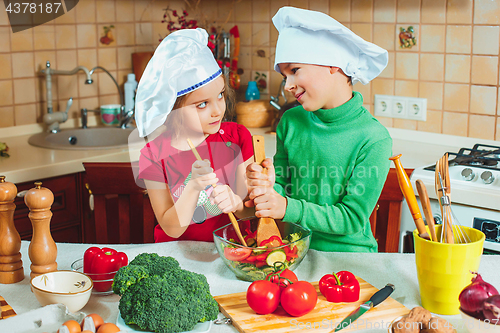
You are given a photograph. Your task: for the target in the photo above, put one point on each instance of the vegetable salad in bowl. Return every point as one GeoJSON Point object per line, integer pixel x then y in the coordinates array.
{"type": "Point", "coordinates": [255, 261]}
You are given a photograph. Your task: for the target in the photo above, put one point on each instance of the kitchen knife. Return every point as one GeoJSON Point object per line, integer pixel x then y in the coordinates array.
{"type": "Point", "coordinates": [375, 300]}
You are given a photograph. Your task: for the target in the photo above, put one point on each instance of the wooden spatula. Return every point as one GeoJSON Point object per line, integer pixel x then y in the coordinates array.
{"type": "Point", "coordinates": [267, 226]}
{"type": "Point", "coordinates": [426, 206]}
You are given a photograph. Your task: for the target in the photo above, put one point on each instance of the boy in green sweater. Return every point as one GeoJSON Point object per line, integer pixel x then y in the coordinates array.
{"type": "Point", "coordinates": [332, 155]}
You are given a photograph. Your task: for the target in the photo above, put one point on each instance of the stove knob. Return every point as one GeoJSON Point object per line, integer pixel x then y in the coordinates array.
{"type": "Point", "coordinates": [468, 174]}
{"type": "Point", "coordinates": [487, 177]}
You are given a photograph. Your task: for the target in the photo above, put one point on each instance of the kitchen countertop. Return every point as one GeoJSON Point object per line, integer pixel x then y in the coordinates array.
{"type": "Point", "coordinates": [377, 269]}
{"type": "Point", "coordinates": [29, 163]}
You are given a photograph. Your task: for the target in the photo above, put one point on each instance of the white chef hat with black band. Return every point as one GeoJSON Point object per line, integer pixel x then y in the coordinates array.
{"type": "Point", "coordinates": [181, 64]}
{"type": "Point", "coordinates": [310, 37]}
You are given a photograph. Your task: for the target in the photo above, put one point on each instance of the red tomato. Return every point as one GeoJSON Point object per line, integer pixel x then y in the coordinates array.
{"type": "Point", "coordinates": [299, 298]}
{"type": "Point", "coordinates": [281, 279]}
{"type": "Point", "coordinates": [263, 296]}
{"type": "Point", "coordinates": [237, 253]}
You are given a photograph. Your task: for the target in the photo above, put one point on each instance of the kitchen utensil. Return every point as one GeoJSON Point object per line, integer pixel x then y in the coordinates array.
{"type": "Point", "coordinates": [443, 270]}
{"type": "Point", "coordinates": [322, 319]}
{"type": "Point", "coordinates": [231, 216]}
{"type": "Point", "coordinates": [11, 265]}
{"type": "Point", "coordinates": [267, 226]}
{"type": "Point", "coordinates": [375, 300]}
{"type": "Point", "coordinates": [411, 200]}
{"type": "Point", "coordinates": [7, 310]}
{"type": "Point", "coordinates": [426, 207]}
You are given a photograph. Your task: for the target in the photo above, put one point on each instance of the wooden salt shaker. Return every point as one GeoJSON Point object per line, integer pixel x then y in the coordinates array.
{"type": "Point", "coordinates": [11, 265]}
{"type": "Point", "coordinates": [42, 250]}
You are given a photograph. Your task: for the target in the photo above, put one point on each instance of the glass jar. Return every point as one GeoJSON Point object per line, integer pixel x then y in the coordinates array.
{"type": "Point", "coordinates": [252, 91]}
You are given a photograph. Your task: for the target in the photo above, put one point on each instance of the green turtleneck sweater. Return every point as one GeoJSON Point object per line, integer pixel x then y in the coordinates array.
{"type": "Point", "coordinates": [331, 165]}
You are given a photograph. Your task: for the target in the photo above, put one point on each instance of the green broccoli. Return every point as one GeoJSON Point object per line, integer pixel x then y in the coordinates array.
{"type": "Point", "coordinates": [159, 296]}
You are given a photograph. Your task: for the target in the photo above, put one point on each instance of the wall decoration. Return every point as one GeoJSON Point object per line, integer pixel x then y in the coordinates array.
{"type": "Point", "coordinates": [108, 36]}
{"type": "Point", "coordinates": [406, 38]}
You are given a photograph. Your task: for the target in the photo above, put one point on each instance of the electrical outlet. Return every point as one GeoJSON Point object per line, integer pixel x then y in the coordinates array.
{"type": "Point", "coordinates": [417, 109]}
{"type": "Point", "coordinates": [401, 107]}
{"type": "Point", "coordinates": [383, 105]}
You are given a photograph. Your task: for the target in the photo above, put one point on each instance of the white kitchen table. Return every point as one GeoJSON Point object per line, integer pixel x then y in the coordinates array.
{"type": "Point", "coordinates": [377, 269]}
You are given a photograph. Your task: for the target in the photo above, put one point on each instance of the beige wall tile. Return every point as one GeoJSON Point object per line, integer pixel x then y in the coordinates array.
{"type": "Point", "coordinates": [383, 35]}
{"type": "Point", "coordinates": [245, 30]}
{"type": "Point", "coordinates": [387, 122]}
{"type": "Point", "coordinates": [103, 100]}
{"type": "Point", "coordinates": [86, 35]}
{"type": "Point", "coordinates": [434, 122]}
{"type": "Point", "coordinates": [384, 11]}
{"type": "Point", "coordinates": [457, 68]}
{"type": "Point", "coordinates": [124, 11]}
{"type": "Point", "coordinates": [320, 6]}
{"type": "Point", "coordinates": [66, 60]}
{"type": "Point", "coordinates": [125, 57]}
{"type": "Point", "coordinates": [86, 11]}
{"type": "Point", "coordinates": [458, 39]}
{"type": "Point", "coordinates": [363, 30]}
{"type": "Point", "coordinates": [87, 58]}
{"type": "Point", "coordinates": [22, 41]}
{"type": "Point", "coordinates": [25, 114]}
{"type": "Point", "coordinates": [107, 58]}
{"type": "Point", "coordinates": [415, 34]}
{"type": "Point", "coordinates": [143, 33]}
{"type": "Point", "coordinates": [406, 88]}
{"type": "Point", "coordinates": [24, 91]}
{"type": "Point", "coordinates": [482, 127]}
{"type": "Point", "coordinates": [207, 7]}
{"type": "Point", "coordinates": [433, 91]}
{"type": "Point", "coordinates": [275, 5]}
{"type": "Point", "coordinates": [44, 37]}
{"type": "Point", "coordinates": [433, 11]}
{"type": "Point", "coordinates": [455, 123]}
{"type": "Point", "coordinates": [125, 34]}
{"type": "Point", "coordinates": [226, 11]}
{"type": "Point", "coordinates": [340, 10]}
{"type": "Point", "coordinates": [6, 67]}
{"type": "Point", "coordinates": [432, 38]}
{"type": "Point", "coordinates": [456, 97]}
{"type": "Point", "coordinates": [106, 84]}
{"type": "Point", "coordinates": [87, 90]}
{"type": "Point", "coordinates": [407, 66]}
{"type": "Point", "coordinates": [105, 10]}
{"type": "Point", "coordinates": [459, 11]}
{"type": "Point", "coordinates": [6, 96]}
{"type": "Point", "coordinates": [5, 33]}
{"type": "Point", "coordinates": [93, 102]}
{"type": "Point", "coordinates": [299, 3]}
{"type": "Point", "coordinates": [242, 10]}
{"type": "Point", "coordinates": [245, 59]}
{"type": "Point", "coordinates": [405, 124]}
{"type": "Point", "coordinates": [41, 58]}
{"type": "Point", "coordinates": [408, 11]}
{"type": "Point", "coordinates": [274, 83]}
{"type": "Point", "coordinates": [260, 36]}
{"type": "Point", "coordinates": [483, 100]}
{"type": "Point", "coordinates": [159, 31]}
{"type": "Point", "coordinates": [365, 91]}
{"type": "Point", "coordinates": [431, 67]}
{"type": "Point", "coordinates": [261, 11]}
{"type": "Point", "coordinates": [382, 86]}
{"type": "Point", "coordinates": [486, 12]}
{"type": "Point", "coordinates": [66, 36]}
{"type": "Point", "coordinates": [67, 87]}
{"type": "Point", "coordinates": [362, 10]}
{"type": "Point", "coordinates": [7, 116]}
{"type": "Point", "coordinates": [4, 18]}
{"type": "Point", "coordinates": [23, 65]}
{"type": "Point", "coordinates": [388, 71]}
{"type": "Point", "coordinates": [260, 63]}
{"type": "Point", "coordinates": [485, 40]}
{"type": "Point", "coordinates": [67, 18]}
{"type": "Point", "coordinates": [484, 70]}
{"type": "Point", "coordinates": [142, 11]}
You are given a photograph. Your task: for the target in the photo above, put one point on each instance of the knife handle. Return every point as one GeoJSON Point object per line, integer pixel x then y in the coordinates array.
{"type": "Point", "coordinates": [382, 294]}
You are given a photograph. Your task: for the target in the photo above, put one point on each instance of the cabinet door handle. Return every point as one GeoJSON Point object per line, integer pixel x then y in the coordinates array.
{"type": "Point", "coordinates": [91, 197]}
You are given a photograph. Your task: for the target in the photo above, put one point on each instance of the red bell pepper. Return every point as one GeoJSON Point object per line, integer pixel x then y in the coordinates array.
{"type": "Point", "coordinates": [101, 265]}
{"type": "Point", "coordinates": [273, 241]}
{"type": "Point", "coordinates": [340, 287]}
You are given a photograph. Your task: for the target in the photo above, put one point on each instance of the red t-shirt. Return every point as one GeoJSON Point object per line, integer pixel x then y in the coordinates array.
{"type": "Point", "coordinates": [226, 149]}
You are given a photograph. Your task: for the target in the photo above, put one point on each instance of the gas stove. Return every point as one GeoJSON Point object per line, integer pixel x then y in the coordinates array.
{"type": "Point", "coordinates": [475, 194]}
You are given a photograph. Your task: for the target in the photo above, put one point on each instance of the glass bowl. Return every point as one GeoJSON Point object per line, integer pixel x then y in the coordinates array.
{"type": "Point", "coordinates": [102, 282]}
{"type": "Point", "coordinates": [251, 263]}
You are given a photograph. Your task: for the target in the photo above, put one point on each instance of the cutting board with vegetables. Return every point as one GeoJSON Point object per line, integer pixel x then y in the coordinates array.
{"type": "Point", "coordinates": [323, 318]}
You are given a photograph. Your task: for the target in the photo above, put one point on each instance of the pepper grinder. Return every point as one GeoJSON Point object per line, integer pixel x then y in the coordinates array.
{"type": "Point", "coordinates": [42, 250]}
{"type": "Point", "coordinates": [11, 265]}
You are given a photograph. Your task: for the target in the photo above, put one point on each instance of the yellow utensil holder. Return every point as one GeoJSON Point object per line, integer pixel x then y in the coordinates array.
{"type": "Point", "coordinates": [444, 269]}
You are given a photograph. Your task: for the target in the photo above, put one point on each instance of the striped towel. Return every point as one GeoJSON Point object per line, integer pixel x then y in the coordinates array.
{"type": "Point", "coordinates": [7, 310]}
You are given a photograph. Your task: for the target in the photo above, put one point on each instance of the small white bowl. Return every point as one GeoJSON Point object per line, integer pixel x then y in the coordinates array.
{"type": "Point", "coordinates": [70, 288]}
{"type": "Point", "coordinates": [474, 325]}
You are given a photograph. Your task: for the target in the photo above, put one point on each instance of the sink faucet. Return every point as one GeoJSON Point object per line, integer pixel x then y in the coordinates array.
{"type": "Point", "coordinates": [275, 99]}
{"type": "Point", "coordinates": [48, 71]}
{"type": "Point", "coordinates": [54, 118]}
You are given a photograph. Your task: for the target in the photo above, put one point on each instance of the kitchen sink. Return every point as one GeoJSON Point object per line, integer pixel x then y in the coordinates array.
{"type": "Point", "coordinates": [85, 139]}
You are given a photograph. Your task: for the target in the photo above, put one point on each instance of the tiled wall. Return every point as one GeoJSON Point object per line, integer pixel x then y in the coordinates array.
{"type": "Point", "coordinates": [455, 64]}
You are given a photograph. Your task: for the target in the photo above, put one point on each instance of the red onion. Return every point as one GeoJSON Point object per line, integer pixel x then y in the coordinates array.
{"type": "Point", "coordinates": [471, 298]}
{"type": "Point", "coordinates": [491, 309]}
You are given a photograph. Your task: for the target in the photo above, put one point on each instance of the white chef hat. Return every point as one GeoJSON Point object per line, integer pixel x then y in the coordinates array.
{"type": "Point", "coordinates": [310, 37]}
{"type": "Point", "coordinates": [181, 64]}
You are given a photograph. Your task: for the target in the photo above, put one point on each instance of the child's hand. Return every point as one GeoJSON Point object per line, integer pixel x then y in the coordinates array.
{"type": "Point", "coordinates": [270, 204]}
{"type": "Point", "coordinates": [202, 175]}
{"type": "Point", "coordinates": [225, 199]}
{"type": "Point", "coordinates": [257, 181]}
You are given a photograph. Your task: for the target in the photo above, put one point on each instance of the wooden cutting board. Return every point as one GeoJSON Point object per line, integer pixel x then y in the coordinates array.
{"type": "Point", "coordinates": [323, 318]}
{"type": "Point", "coordinates": [7, 310]}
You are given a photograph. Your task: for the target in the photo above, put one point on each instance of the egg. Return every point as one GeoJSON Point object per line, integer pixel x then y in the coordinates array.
{"type": "Point", "coordinates": [108, 328]}
{"type": "Point", "coordinates": [92, 322]}
{"type": "Point", "coordinates": [72, 327]}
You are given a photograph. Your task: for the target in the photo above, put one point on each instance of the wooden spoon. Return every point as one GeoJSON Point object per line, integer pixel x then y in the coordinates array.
{"type": "Point", "coordinates": [267, 226]}
{"type": "Point", "coordinates": [426, 207]}
{"type": "Point", "coordinates": [234, 222]}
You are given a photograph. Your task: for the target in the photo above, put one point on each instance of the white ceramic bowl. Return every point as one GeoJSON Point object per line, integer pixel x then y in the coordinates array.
{"type": "Point", "coordinates": [474, 325]}
{"type": "Point", "coordinates": [70, 288]}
